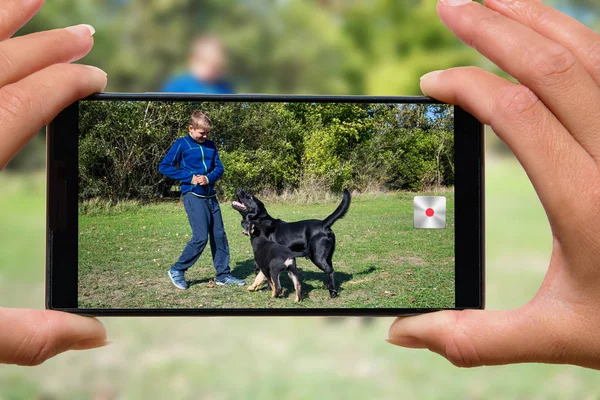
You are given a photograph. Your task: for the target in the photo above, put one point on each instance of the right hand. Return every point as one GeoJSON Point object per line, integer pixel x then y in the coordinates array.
{"type": "Point", "coordinates": [551, 121]}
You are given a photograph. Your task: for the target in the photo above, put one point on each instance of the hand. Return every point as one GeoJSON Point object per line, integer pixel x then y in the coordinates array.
{"type": "Point", "coordinates": [36, 79]}
{"type": "Point", "coordinates": [551, 123]}
{"type": "Point", "coordinates": [30, 337]}
{"type": "Point", "coordinates": [36, 83]}
{"type": "Point", "coordinates": [200, 180]}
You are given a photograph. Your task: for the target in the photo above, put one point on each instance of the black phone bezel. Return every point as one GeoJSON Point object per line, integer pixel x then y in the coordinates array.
{"type": "Point", "coordinates": [62, 211]}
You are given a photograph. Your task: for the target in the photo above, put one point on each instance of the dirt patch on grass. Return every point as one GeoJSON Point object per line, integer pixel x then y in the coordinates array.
{"type": "Point", "coordinates": [410, 260]}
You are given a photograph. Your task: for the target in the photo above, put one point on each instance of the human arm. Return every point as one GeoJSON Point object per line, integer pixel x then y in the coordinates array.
{"type": "Point", "coordinates": [217, 171]}
{"type": "Point", "coordinates": [169, 166]}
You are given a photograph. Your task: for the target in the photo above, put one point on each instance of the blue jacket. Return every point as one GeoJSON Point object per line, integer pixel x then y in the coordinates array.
{"type": "Point", "coordinates": [187, 83]}
{"type": "Point", "coordinates": [187, 158]}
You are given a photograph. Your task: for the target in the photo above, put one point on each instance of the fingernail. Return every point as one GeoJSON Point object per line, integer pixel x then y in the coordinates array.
{"type": "Point", "coordinates": [431, 74]}
{"type": "Point", "coordinates": [456, 2]}
{"type": "Point", "coordinates": [407, 341]}
{"type": "Point", "coordinates": [88, 344]}
{"type": "Point", "coordinates": [96, 69]}
{"type": "Point", "coordinates": [82, 30]}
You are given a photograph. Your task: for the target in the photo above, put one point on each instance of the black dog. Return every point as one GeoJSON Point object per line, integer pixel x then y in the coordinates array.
{"type": "Point", "coordinates": [271, 259]}
{"type": "Point", "coordinates": [312, 236]}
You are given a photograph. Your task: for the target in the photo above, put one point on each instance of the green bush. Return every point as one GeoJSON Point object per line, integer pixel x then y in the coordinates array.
{"type": "Point", "coordinates": [273, 147]}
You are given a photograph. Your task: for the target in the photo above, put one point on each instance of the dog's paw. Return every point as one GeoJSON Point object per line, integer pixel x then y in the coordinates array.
{"type": "Point", "coordinates": [333, 294]}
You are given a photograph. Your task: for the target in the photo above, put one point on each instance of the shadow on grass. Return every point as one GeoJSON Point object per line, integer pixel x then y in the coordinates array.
{"type": "Point", "coordinates": [245, 269]}
{"type": "Point", "coordinates": [340, 277]}
{"type": "Point", "coordinates": [199, 281]}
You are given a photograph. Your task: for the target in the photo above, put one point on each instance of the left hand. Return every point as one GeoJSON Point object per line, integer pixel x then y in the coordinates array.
{"type": "Point", "coordinates": [30, 337]}
{"type": "Point", "coordinates": [37, 81]}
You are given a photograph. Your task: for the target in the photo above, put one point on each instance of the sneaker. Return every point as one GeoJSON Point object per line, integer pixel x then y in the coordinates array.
{"type": "Point", "coordinates": [178, 279]}
{"type": "Point", "coordinates": [229, 280]}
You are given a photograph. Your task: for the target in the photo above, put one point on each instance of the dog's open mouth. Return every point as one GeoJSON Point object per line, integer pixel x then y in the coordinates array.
{"type": "Point", "coordinates": [238, 206]}
{"type": "Point", "coordinates": [245, 232]}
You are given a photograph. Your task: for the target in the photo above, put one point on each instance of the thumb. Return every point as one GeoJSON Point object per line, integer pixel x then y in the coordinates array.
{"type": "Point", "coordinates": [470, 338]}
{"type": "Point", "coordinates": [30, 337]}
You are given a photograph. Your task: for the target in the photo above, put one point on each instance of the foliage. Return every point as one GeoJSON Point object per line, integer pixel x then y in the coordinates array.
{"type": "Point", "coordinates": [293, 46]}
{"type": "Point", "coordinates": [371, 47]}
{"type": "Point", "coordinates": [268, 146]}
{"type": "Point", "coordinates": [374, 47]}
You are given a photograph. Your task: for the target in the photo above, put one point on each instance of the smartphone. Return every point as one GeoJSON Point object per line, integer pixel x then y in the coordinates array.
{"type": "Point", "coordinates": [176, 205]}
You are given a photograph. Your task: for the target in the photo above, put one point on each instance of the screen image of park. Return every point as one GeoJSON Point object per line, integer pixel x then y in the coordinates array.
{"type": "Point", "coordinates": [249, 204]}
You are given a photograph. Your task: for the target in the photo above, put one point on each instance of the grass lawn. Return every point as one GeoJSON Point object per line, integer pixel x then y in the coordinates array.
{"type": "Point", "coordinates": [380, 259]}
{"type": "Point", "coordinates": [283, 358]}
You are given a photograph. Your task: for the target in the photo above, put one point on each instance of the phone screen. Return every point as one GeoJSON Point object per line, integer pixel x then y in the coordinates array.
{"type": "Point", "coordinates": [262, 204]}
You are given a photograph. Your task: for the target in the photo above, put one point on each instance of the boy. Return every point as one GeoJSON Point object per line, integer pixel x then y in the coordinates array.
{"type": "Point", "coordinates": [194, 162]}
{"type": "Point", "coordinates": [206, 66]}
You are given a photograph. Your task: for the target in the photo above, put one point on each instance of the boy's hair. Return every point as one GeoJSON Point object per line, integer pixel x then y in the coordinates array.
{"type": "Point", "coordinates": [200, 119]}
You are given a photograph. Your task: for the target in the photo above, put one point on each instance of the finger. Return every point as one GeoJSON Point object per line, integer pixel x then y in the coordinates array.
{"type": "Point", "coordinates": [31, 103]}
{"type": "Point", "coordinates": [551, 71]}
{"type": "Point", "coordinates": [524, 123]}
{"type": "Point", "coordinates": [583, 42]}
{"type": "Point", "coordinates": [472, 338]}
{"type": "Point", "coordinates": [24, 55]}
{"type": "Point", "coordinates": [29, 337]}
{"type": "Point", "coordinates": [16, 13]}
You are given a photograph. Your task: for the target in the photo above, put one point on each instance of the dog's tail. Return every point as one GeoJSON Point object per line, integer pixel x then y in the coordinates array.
{"type": "Point", "coordinates": [340, 211]}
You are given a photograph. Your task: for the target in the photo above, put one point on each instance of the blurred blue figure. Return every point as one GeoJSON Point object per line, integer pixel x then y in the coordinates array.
{"type": "Point", "coordinates": [206, 65]}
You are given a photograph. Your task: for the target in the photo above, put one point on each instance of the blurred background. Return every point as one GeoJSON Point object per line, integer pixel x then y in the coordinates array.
{"type": "Point", "coordinates": [377, 47]}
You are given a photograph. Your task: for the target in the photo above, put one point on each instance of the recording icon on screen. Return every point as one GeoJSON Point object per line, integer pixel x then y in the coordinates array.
{"type": "Point", "coordinates": [430, 212]}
